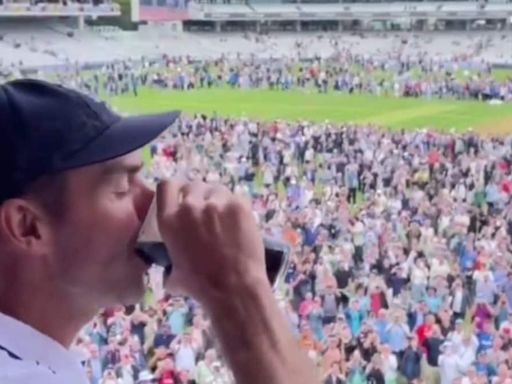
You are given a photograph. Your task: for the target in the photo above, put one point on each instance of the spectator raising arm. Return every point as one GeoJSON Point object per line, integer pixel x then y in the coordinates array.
{"type": "Point", "coordinates": [210, 230]}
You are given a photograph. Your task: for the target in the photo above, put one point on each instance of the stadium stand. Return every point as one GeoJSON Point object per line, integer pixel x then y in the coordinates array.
{"type": "Point", "coordinates": [479, 29]}
{"type": "Point", "coordinates": [45, 44]}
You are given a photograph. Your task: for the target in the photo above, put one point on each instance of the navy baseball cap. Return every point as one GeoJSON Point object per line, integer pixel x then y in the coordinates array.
{"type": "Point", "coordinates": [46, 129]}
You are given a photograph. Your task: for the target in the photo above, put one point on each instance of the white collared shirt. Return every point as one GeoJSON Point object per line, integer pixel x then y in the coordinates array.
{"type": "Point", "coordinates": [28, 356]}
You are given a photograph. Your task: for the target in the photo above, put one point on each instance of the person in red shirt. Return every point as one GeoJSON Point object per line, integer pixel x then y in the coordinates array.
{"type": "Point", "coordinates": [503, 166]}
{"type": "Point", "coordinates": [425, 329]}
{"type": "Point", "coordinates": [378, 300]}
{"type": "Point", "coordinates": [168, 152]}
{"type": "Point", "coordinates": [506, 186]}
{"type": "Point", "coordinates": [165, 373]}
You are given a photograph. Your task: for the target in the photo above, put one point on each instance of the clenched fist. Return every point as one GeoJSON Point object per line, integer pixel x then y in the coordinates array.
{"type": "Point", "coordinates": [213, 238]}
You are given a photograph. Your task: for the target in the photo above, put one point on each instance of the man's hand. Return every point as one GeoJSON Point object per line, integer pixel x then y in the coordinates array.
{"type": "Point", "coordinates": [213, 239]}
{"type": "Point", "coordinates": [218, 258]}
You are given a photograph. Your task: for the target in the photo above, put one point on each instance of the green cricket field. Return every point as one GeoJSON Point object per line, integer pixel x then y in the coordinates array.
{"type": "Point", "coordinates": [385, 111]}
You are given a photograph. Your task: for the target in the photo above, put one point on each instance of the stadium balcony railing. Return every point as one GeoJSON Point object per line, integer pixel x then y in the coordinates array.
{"type": "Point", "coordinates": [23, 9]}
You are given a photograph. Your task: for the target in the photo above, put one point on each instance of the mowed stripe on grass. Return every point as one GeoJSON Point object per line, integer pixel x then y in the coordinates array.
{"type": "Point", "coordinates": [403, 117]}
{"type": "Point", "coordinates": [389, 112]}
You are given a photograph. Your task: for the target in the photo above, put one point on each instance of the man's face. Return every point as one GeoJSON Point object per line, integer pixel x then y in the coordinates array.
{"type": "Point", "coordinates": [93, 256]}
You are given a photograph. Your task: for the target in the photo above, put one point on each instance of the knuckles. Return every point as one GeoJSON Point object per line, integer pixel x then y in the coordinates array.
{"type": "Point", "coordinates": [213, 208]}
{"type": "Point", "coordinates": [224, 204]}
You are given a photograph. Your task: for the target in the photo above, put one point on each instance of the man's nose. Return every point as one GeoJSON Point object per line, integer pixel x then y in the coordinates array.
{"type": "Point", "coordinates": [142, 199]}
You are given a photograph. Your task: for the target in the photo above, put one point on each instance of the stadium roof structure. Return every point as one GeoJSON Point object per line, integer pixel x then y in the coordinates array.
{"type": "Point", "coordinates": [352, 11]}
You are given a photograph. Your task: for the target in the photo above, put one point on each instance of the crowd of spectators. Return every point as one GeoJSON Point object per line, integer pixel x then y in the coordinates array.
{"type": "Point", "coordinates": [420, 76]}
{"type": "Point", "coordinates": [397, 76]}
{"type": "Point", "coordinates": [401, 257]}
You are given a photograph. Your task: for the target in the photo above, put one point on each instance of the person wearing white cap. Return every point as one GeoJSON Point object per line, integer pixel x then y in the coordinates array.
{"type": "Point", "coordinates": [208, 369]}
{"type": "Point", "coordinates": [145, 377]}
{"type": "Point", "coordinates": [457, 334]}
{"type": "Point", "coordinates": [389, 364]}
{"type": "Point", "coordinates": [466, 351]}
{"type": "Point", "coordinates": [449, 363]}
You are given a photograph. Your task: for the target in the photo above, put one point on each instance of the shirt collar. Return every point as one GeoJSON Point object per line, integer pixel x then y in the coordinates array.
{"type": "Point", "coordinates": [32, 345]}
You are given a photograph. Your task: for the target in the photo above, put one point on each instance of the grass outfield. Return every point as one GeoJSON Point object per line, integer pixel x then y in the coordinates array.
{"type": "Point", "coordinates": [389, 112]}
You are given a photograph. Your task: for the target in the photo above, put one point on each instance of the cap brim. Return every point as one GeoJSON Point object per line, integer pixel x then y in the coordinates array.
{"type": "Point", "coordinates": [123, 137]}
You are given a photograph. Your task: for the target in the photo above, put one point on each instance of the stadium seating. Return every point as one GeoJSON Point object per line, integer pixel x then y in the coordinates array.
{"type": "Point", "coordinates": [25, 8]}
{"type": "Point", "coordinates": [48, 43]}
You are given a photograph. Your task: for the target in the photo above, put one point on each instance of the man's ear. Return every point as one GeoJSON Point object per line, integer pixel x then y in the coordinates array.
{"type": "Point", "coordinates": [24, 226]}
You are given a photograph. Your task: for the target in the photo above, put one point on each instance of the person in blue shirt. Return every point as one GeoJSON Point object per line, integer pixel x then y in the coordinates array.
{"type": "Point", "coordinates": [467, 257]}
{"type": "Point", "coordinates": [410, 365]}
{"type": "Point", "coordinates": [380, 324]}
{"type": "Point", "coordinates": [416, 317]}
{"type": "Point", "coordinates": [163, 337]}
{"type": "Point", "coordinates": [433, 301]}
{"type": "Point", "coordinates": [485, 338]}
{"type": "Point", "coordinates": [502, 312]}
{"type": "Point", "coordinates": [500, 274]}
{"type": "Point", "coordinates": [176, 316]}
{"type": "Point", "coordinates": [95, 365]}
{"type": "Point", "coordinates": [98, 334]}
{"type": "Point", "coordinates": [396, 334]}
{"type": "Point", "coordinates": [310, 235]}
{"type": "Point", "coordinates": [294, 192]}
{"type": "Point", "coordinates": [363, 299]}
{"type": "Point", "coordinates": [492, 194]}
{"type": "Point", "coordinates": [483, 366]}
{"type": "Point", "coordinates": [315, 320]}
{"type": "Point", "coordinates": [355, 317]}
{"type": "Point", "coordinates": [352, 182]}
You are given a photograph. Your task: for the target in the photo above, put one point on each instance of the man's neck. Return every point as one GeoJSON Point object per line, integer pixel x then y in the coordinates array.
{"type": "Point", "coordinates": [55, 316]}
